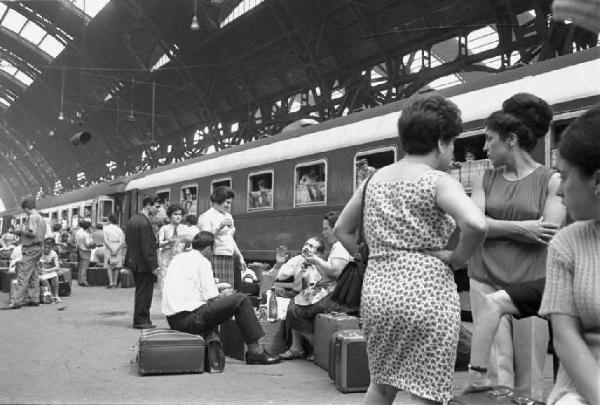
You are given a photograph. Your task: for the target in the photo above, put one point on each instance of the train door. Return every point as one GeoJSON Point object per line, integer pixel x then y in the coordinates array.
{"type": "Point", "coordinates": [105, 207]}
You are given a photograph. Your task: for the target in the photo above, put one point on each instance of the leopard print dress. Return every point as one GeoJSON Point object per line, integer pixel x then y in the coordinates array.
{"type": "Point", "coordinates": [409, 300]}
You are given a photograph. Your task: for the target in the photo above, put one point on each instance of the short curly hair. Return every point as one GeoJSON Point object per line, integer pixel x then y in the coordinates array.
{"type": "Point", "coordinates": [173, 208]}
{"type": "Point", "coordinates": [425, 120]}
{"type": "Point", "coordinates": [221, 193]}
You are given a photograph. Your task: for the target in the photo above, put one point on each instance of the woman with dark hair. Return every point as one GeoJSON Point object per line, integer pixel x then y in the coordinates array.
{"type": "Point", "coordinates": [168, 240]}
{"type": "Point", "coordinates": [523, 213]}
{"type": "Point", "coordinates": [570, 299]}
{"type": "Point", "coordinates": [218, 220]}
{"type": "Point", "coordinates": [314, 299]}
{"type": "Point", "coordinates": [409, 301]}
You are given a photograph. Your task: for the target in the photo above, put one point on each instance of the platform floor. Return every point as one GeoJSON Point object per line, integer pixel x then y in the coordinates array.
{"type": "Point", "coordinates": [83, 352]}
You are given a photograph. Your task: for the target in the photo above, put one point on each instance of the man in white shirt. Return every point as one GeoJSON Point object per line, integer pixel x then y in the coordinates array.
{"type": "Point", "coordinates": [298, 268]}
{"type": "Point", "coordinates": [192, 303]}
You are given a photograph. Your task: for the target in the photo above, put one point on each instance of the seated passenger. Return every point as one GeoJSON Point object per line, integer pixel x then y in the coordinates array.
{"type": "Point", "coordinates": [50, 268]}
{"type": "Point", "coordinates": [315, 299]}
{"type": "Point", "coordinates": [192, 303]}
{"type": "Point", "coordinates": [9, 239]}
{"type": "Point", "coordinates": [298, 272]}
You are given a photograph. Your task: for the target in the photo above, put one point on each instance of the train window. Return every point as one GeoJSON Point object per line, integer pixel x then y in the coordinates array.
{"type": "Point", "coordinates": [470, 160]}
{"type": "Point", "coordinates": [87, 212]}
{"type": "Point", "coordinates": [105, 208]}
{"type": "Point", "coordinates": [165, 196]}
{"type": "Point", "coordinates": [75, 217]}
{"type": "Point", "coordinates": [189, 199]}
{"type": "Point", "coordinates": [220, 182]}
{"type": "Point", "coordinates": [260, 190]}
{"type": "Point", "coordinates": [310, 183]}
{"type": "Point", "coordinates": [64, 218]}
{"type": "Point", "coordinates": [54, 217]}
{"type": "Point", "coordinates": [367, 162]}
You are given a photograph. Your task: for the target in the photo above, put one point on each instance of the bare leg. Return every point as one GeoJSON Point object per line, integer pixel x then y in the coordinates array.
{"type": "Point", "coordinates": [380, 394]}
{"type": "Point", "coordinates": [494, 307]}
{"type": "Point", "coordinates": [115, 279]}
{"type": "Point", "coordinates": [54, 288]}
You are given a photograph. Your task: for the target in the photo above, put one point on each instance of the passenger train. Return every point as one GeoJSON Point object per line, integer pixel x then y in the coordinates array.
{"type": "Point", "coordinates": [284, 184]}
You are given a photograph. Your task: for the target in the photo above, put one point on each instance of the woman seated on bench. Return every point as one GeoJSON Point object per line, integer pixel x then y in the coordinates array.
{"type": "Point", "coordinates": [314, 299]}
{"type": "Point", "coordinates": [50, 268]}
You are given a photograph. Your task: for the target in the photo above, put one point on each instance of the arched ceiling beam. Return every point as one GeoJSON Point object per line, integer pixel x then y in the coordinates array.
{"type": "Point", "coordinates": [7, 193]}
{"type": "Point", "coordinates": [11, 83]}
{"type": "Point", "coordinates": [23, 48]}
{"type": "Point", "coordinates": [48, 16]}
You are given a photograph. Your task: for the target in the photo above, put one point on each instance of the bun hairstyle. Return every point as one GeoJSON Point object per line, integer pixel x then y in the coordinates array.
{"type": "Point", "coordinates": [525, 115]}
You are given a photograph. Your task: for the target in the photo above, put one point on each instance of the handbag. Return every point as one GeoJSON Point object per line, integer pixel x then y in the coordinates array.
{"type": "Point", "coordinates": [348, 287]}
{"type": "Point", "coordinates": [214, 359]}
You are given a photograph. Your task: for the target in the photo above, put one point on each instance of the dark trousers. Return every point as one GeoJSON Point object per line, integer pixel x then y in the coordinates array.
{"type": "Point", "coordinates": [144, 285]}
{"type": "Point", "coordinates": [206, 318]}
{"type": "Point", "coordinates": [28, 275]}
{"type": "Point", "coordinates": [83, 263]}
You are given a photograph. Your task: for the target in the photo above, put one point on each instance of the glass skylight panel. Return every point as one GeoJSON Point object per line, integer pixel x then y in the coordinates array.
{"type": "Point", "coordinates": [8, 67]}
{"type": "Point", "coordinates": [51, 46]}
{"type": "Point", "coordinates": [163, 60]}
{"type": "Point", "coordinates": [482, 39]}
{"type": "Point", "coordinates": [90, 7]}
{"type": "Point", "coordinates": [14, 21]}
{"type": "Point", "coordinates": [4, 102]}
{"type": "Point", "coordinates": [23, 78]}
{"type": "Point", "coordinates": [33, 32]}
{"type": "Point", "coordinates": [240, 9]}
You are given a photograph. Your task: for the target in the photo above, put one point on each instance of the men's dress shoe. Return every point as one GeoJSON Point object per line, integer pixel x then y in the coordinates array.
{"type": "Point", "coordinates": [144, 326]}
{"type": "Point", "coordinates": [263, 358]}
{"type": "Point", "coordinates": [12, 306]}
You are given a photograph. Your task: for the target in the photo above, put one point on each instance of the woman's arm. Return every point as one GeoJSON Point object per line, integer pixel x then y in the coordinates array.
{"type": "Point", "coordinates": [347, 224]}
{"type": "Point", "coordinates": [162, 237]}
{"type": "Point", "coordinates": [331, 268]}
{"type": "Point", "coordinates": [576, 357]}
{"type": "Point", "coordinates": [538, 231]}
{"type": "Point", "coordinates": [451, 197]}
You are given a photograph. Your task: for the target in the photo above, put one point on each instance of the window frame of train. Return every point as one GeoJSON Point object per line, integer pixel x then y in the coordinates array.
{"type": "Point", "coordinates": [193, 207]}
{"type": "Point", "coordinates": [216, 183]}
{"type": "Point", "coordinates": [298, 176]}
{"type": "Point", "coordinates": [161, 192]}
{"type": "Point", "coordinates": [75, 214]}
{"type": "Point", "coordinates": [251, 189]}
{"type": "Point", "coordinates": [362, 154]}
{"type": "Point", "coordinates": [102, 216]}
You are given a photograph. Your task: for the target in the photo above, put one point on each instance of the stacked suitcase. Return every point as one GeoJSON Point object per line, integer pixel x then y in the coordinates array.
{"type": "Point", "coordinates": [325, 326]}
{"type": "Point", "coordinates": [348, 364]}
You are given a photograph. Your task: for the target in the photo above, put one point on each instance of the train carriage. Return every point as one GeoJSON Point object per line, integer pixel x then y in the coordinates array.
{"type": "Point", "coordinates": [284, 184]}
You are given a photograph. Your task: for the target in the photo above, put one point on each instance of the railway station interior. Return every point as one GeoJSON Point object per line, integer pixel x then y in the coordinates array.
{"type": "Point", "coordinates": [187, 186]}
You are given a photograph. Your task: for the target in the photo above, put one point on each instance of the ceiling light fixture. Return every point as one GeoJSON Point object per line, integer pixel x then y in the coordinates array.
{"type": "Point", "coordinates": [61, 116]}
{"type": "Point", "coordinates": [131, 116]}
{"type": "Point", "coordinates": [195, 26]}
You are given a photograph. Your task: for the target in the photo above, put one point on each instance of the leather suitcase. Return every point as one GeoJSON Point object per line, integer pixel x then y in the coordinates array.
{"type": "Point", "coordinates": [496, 396]}
{"type": "Point", "coordinates": [325, 326]}
{"type": "Point", "coordinates": [126, 279]}
{"type": "Point", "coordinates": [97, 276]}
{"type": "Point", "coordinates": [64, 283]}
{"type": "Point", "coordinates": [274, 340]}
{"type": "Point", "coordinates": [251, 289]}
{"type": "Point", "coordinates": [166, 351]}
{"type": "Point", "coordinates": [348, 364]}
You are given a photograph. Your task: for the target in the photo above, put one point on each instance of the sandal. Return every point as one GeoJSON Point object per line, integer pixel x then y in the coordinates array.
{"type": "Point", "coordinates": [292, 355]}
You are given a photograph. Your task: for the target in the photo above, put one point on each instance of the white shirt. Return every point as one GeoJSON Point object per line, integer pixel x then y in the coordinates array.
{"type": "Point", "coordinates": [293, 267]}
{"type": "Point", "coordinates": [224, 242]}
{"type": "Point", "coordinates": [188, 284]}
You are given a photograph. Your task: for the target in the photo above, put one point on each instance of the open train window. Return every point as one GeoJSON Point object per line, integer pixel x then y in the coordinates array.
{"type": "Point", "coordinates": [260, 190]}
{"type": "Point", "coordinates": [64, 218]}
{"type": "Point", "coordinates": [219, 183]}
{"type": "Point", "coordinates": [310, 183]}
{"type": "Point", "coordinates": [189, 199]}
{"type": "Point", "coordinates": [105, 208]}
{"type": "Point", "coordinates": [165, 196]}
{"type": "Point", "coordinates": [54, 217]}
{"type": "Point", "coordinates": [75, 217]}
{"type": "Point", "coordinates": [87, 212]}
{"type": "Point", "coordinates": [470, 160]}
{"type": "Point", "coordinates": [367, 162]}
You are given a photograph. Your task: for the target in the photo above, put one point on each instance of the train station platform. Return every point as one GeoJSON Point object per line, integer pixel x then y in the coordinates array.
{"type": "Point", "coordinates": [83, 351]}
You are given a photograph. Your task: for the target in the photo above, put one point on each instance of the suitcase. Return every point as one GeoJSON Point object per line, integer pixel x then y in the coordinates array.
{"type": "Point", "coordinates": [126, 279]}
{"type": "Point", "coordinates": [325, 326]}
{"type": "Point", "coordinates": [496, 396]}
{"type": "Point", "coordinates": [166, 351]}
{"type": "Point", "coordinates": [7, 277]}
{"type": "Point", "coordinates": [251, 289]}
{"type": "Point", "coordinates": [274, 340]}
{"type": "Point", "coordinates": [348, 364]}
{"type": "Point", "coordinates": [97, 276]}
{"type": "Point", "coordinates": [64, 283]}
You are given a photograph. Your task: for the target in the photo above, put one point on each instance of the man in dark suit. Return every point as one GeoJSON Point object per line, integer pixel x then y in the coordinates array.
{"type": "Point", "coordinates": [141, 259]}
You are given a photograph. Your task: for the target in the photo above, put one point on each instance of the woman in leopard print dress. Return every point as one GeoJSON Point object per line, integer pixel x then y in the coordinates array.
{"type": "Point", "coordinates": [409, 301]}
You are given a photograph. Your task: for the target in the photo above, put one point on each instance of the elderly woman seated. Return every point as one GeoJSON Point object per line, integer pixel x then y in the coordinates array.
{"type": "Point", "coordinates": [315, 299]}
{"type": "Point", "coordinates": [50, 268]}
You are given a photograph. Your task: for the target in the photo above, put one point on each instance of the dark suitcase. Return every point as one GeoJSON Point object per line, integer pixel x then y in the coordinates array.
{"type": "Point", "coordinates": [97, 276]}
{"type": "Point", "coordinates": [7, 277]}
{"type": "Point", "coordinates": [348, 364]}
{"type": "Point", "coordinates": [325, 326]}
{"type": "Point", "coordinates": [166, 351]}
{"type": "Point", "coordinates": [251, 289]}
{"type": "Point", "coordinates": [126, 279]}
{"type": "Point", "coordinates": [274, 340]}
{"type": "Point", "coordinates": [495, 396]}
{"type": "Point", "coordinates": [64, 283]}
{"type": "Point", "coordinates": [214, 359]}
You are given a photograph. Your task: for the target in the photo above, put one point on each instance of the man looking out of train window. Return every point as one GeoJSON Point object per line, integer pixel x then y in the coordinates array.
{"type": "Point", "coordinates": [141, 258]}
{"type": "Point", "coordinates": [193, 304]}
{"type": "Point", "coordinates": [32, 235]}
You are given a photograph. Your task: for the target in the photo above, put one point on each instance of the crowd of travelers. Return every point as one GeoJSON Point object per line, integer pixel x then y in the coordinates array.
{"type": "Point", "coordinates": [523, 260]}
